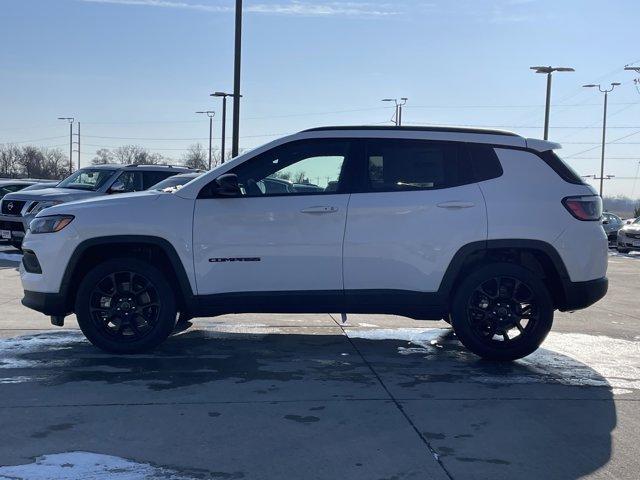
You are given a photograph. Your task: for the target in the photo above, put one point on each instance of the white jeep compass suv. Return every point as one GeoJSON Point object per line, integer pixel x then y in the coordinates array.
{"type": "Point", "coordinates": [485, 229]}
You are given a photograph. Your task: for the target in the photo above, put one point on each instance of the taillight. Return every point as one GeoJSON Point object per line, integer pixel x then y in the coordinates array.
{"type": "Point", "coordinates": [588, 209]}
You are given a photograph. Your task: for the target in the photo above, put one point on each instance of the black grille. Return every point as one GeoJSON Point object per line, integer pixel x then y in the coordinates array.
{"type": "Point", "coordinates": [13, 226]}
{"type": "Point", "coordinates": [12, 207]}
{"type": "Point", "coordinates": [633, 235]}
{"type": "Point", "coordinates": [30, 262]}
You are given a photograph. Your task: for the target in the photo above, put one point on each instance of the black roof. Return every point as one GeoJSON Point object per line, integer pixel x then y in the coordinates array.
{"type": "Point", "coordinates": [416, 129]}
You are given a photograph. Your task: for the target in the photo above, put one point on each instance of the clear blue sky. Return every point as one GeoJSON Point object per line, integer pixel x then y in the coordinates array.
{"type": "Point", "coordinates": [139, 69]}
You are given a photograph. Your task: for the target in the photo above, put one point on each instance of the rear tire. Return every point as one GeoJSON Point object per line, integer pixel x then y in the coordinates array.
{"type": "Point", "coordinates": [502, 312]}
{"type": "Point", "coordinates": [125, 306]}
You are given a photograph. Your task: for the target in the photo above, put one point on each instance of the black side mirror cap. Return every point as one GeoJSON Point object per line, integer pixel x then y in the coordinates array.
{"type": "Point", "coordinates": [227, 186]}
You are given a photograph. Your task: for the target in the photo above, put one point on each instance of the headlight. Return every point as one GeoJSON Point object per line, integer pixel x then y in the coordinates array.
{"type": "Point", "coordinates": [51, 224]}
{"type": "Point", "coordinates": [621, 232]}
{"type": "Point", "coordinates": [42, 205]}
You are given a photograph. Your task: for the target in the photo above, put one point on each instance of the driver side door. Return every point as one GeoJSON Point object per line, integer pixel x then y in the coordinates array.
{"type": "Point", "coordinates": [283, 232]}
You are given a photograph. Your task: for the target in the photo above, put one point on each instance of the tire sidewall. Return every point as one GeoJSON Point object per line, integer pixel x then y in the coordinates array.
{"type": "Point", "coordinates": [462, 325]}
{"type": "Point", "coordinates": [166, 316]}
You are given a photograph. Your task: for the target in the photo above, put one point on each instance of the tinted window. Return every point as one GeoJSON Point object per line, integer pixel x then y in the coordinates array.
{"type": "Point", "coordinates": [565, 172]}
{"type": "Point", "coordinates": [414, 165]}
{"type": "Point", "coordinates": [149, 179]}
{"type": "Point", "coordinates": [484, 162]}
{"type": "Point", "coordinates": [305, 167]}
{"type": "Point", "coordinates": [132, 181]}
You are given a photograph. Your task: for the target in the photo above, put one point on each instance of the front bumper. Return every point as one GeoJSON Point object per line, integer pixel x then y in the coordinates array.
{"type": "Point", "coordinates": [579, 295]}
{"type": "Point", "coordinates": [17, 225]}
{"type": "Point", "coordinates": [53, 304]}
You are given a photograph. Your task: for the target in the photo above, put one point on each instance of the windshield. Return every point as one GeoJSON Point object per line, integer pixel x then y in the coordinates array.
{"type": "Point", "coordinates": [87, 179]}
{"type": "Point", "coordinates": [637, 220]}
{"type": "Point", "coordinates": [172, 184]}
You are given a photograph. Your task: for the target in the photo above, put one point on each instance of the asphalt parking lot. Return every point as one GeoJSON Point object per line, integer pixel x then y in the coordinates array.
{"type": "Point", "coordinates": [290, 396]}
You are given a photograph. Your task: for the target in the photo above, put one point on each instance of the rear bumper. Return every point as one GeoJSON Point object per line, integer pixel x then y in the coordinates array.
{"type": "Point", "coordinates": [53, 304]}
{"type": "Point", "coordinates": [580, 295]}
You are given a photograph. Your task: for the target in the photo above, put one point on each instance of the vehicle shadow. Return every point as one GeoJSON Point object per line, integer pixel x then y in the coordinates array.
{"type": "Point", "coordinates": [294, 400]}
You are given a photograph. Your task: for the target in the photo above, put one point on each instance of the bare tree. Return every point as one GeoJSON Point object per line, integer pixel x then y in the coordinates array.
{"type": "Point", "coordinates": [103, 156]}
{"type": "Point", "coordinates": [136, 155]}
{"type": "Point", "coordinates": [33, 162]}
{"type": "Point", "coordinates": [196, 157]}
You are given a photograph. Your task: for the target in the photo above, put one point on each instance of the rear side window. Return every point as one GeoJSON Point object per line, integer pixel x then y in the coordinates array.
{"type": "Point", "coordinates": [484, 162]}
{"type": "Point", "coordinates": [565, 172]}
{"type": "Point", "coordinates": [149, 179]}
{"type": "Point", "coordinates": [400, 165]}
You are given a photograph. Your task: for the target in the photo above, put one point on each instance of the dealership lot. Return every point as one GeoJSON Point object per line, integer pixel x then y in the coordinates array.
{"type": "Point", "coordinates": [303, 396]}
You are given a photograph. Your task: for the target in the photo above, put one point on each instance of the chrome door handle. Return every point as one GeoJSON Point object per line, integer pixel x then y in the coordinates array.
{"type": "Point", "coordinates": [319, 209]}
{"type": "Point", "coordinates": [456, 205]}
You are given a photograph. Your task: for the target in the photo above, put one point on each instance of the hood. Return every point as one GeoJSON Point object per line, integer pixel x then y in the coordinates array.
{"type": "Point", "coordinates": [50, 194]}
{"type": "Point", "coordinates": [119, 201]}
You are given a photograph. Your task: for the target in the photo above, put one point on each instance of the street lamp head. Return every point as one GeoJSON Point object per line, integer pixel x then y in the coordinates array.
{"type": "Point", "coordinates": [615, 84]}
{"type": "Point", "coordinates": [541, 69]}
{"type": "Point", "coordinates": [69, 119]}
{"type": "Point", "coordinates": [590, 85]}
{"type": "Point", "coordinates": [388, 99]}
{"type": "Point", "coordinates": [633, 69]}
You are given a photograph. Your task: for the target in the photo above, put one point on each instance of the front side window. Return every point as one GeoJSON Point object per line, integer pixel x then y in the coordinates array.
{"type": "Point", "coordinates": [399, 165]}
{"type": "Point", "coordinates": [87, 179]}
{"type": "Point", "coordinates": [305, 167]}
{"type": "Point", "coordinates": [132, 181]}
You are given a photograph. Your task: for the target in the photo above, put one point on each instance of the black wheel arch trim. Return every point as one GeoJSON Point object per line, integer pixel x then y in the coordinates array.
{"type": "Point", "coordinates": [485, 246]}
{"type": "Point", "coordinates": [167, 248]}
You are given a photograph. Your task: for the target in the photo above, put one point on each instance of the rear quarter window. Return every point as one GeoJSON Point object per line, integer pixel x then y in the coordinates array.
{"type": "Point", "coordinates": [565, 172]}
{"type": "Point", "coordinates": [485, 164]}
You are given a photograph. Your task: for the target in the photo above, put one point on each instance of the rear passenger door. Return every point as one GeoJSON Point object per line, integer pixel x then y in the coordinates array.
{"type": "Point", "coordinates": [416, 205]}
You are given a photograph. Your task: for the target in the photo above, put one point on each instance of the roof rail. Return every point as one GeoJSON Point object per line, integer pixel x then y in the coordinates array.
{"type": "Point", "coordinates": [148, 165]}
{"type": "Point", "coordinates": [435, 128]}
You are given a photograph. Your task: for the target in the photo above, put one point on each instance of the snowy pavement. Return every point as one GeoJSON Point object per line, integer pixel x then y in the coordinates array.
{"type": "Point", "coordinates": [303, 396]}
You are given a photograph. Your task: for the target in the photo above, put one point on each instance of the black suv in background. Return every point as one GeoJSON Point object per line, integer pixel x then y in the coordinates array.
{"type": "Point", "coordinates": [19, 208]}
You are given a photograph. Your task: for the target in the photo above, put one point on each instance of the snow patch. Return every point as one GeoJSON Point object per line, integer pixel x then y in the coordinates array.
{"type": "Point", "coordinates": [87, 466]}
{"type": "Point", "coordinates": [14, 350]}
{"type": "Point", "coordinates": [569, 358]}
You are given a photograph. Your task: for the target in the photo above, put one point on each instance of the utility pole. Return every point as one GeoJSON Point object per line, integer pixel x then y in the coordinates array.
{"type": "Point", "coordinates": [210, 114]}
{"type": "Point", "coordinates": [224, 96]}
{"type": "Point", "coordinates": [604, 125]}
{"type": "Point", "coordinates": [399, 105]}
{"type": "Point", "coordinates": [236, 81]}
{"type": "Point", "coordinates": [78, 145]}
{"type": "Point", "coordinates": [548, 71]}
{"type": "Point", "coordinates": [70, 120]}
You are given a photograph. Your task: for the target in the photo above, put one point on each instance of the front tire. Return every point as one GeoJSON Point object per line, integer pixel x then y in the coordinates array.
{"type": "Point", "coordinates": [125, 306]}
{"type": "Point", "coordinates": [502, 312]}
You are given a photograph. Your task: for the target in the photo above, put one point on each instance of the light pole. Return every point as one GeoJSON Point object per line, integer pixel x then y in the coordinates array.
{"type": "Point", "coordinates": [399, 105]}
{"type": "Point", "coordinates": [604, 124]}
{"type": "Point", "coordinates": [548, 71]}
{"type": "Point", "coordinates": [224, 116]}
{"type": "Point", "coordinates": [70, 120]}
{"type": "Point", "coordinates": [236, 81]}
{"type": "Point", "coordinates": [210, 114]}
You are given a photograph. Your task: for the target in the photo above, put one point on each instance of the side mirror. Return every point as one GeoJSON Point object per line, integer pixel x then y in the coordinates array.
{"type": "Point", "coordinates": [117, 187]}
{"type": "Point", "coordinates": [227, 186]}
